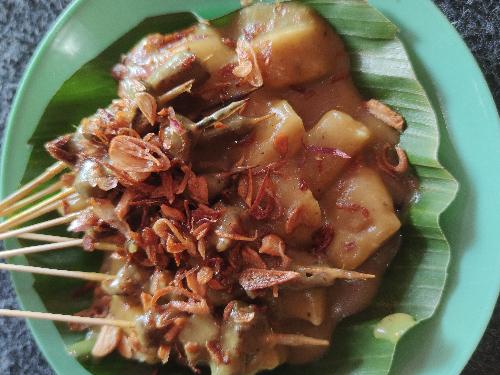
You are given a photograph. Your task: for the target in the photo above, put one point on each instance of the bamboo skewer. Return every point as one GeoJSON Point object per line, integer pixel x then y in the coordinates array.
{"type": "Point", "coordinates": [46, 224]}
{"type": "Point", "coordinates": [295, 340]}
{"type": "Point", "coordinates": [30, 186]}
{"type": "Point", "coordinates": [44, 210]}
{"type": "Point", "coordinates": [89, 276]}
{"type": "Point", "coordinates": [105, 246]}
{"type": "Point", "coordinates": [32, 198]}
{"type": "Point", "coordinates": [40, 248]}
{"type": "Point", "coordinates": [67, 318]}
{"type": "Point", "coordinates": [220, 114]}
{"type": "Point", "coordinates": [49, 208]}
{"type": "Point", "coordinates": [44, 237]}
{"type": "Point", "coordinates": [175, 92]}
{"type": "Point", "coordinates": [332, 273]}
{"type": "Point", "coordinates": [245, 124]}
{"type": "Point", "coordinates": [37, 210]}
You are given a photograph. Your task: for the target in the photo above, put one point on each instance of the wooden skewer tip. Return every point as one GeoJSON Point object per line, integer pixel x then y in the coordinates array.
{"type": "Point", "coordinates": [43, 225]}
{"type": "Point", "coordinates": [50, 172]}
{"type": "Point", "coordinates": [37, 210]}
{"type": "Point", "coordinates": [89, 276]}
{"type": "Point", "coordinates": [32, 198]}
{"type": "Point", "coordinates": [66, 318]}
{"type": "Point", "coordinates": [40, 248]}
{"type": "Point", "coordinates": [104, 246]}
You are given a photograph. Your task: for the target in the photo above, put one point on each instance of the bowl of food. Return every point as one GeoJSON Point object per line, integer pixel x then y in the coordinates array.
{"type": "Point", "coordinates": [222, 190]}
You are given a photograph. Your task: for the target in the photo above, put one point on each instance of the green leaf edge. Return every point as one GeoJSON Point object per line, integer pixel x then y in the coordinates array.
{"type": "Point", "coordinates": [425, 248]}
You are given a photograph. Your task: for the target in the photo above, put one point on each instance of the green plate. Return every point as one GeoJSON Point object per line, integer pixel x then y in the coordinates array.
{"type": "Point", "coordinates": [469, 150]}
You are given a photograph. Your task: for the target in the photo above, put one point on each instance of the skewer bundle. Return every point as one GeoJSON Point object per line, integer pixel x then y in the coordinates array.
{"type": "Point", "coordinates": [27, 204]}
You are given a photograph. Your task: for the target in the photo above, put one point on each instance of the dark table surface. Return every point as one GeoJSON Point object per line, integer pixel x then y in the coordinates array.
{"type": "Point", "coordinates": [24, 22]}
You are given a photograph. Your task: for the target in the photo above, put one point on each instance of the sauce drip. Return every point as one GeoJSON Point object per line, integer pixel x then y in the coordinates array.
{"type": "Point", "coordinates": [393, 327]}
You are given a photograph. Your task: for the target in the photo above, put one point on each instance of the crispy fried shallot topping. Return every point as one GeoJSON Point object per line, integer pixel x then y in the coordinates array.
{"type": "Point", "coordinates": [105, 210]}
{"type": "Point", "coordinates": [86, 220]}
{"type": "Point", "coordinates": [248, 67]}
{"type": "Point", "coordinates": [253, 279]}
{"type": "Point", "coordinates": [136, 155]}
{"type": "Point", "coordinates": [252, 259]}
{"type": "Point", "coordinates": [198, 188]}
{"type": "Point", "coordinates": [194, 304]}
{"type": "Point", "coordinates": [235, 236]}
{"type": "Point", "coordinates": [393, 160]}
{"type": "Point", "coordinates": [215, 349]}
{"type": "Point", "coordinates": [108, 339]}
{"type": "Point", "coordinates": [147, 104]}
{"type": "Point", "coordinates": [385, 114]}
{"type": "Point", "coordinates": [172, 213]}
{"type": "Point", "coordinates": [59, 149]}
{"type": "Point", "coordinates": [204, 275]}
{"type": "Point", "coordinates": [273, 245]}
{"type": "Point", "coordinates": [164, 352]}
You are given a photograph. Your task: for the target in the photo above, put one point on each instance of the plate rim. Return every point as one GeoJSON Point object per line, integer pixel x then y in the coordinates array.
{"type": "Point", "coordinates": [34, 61]}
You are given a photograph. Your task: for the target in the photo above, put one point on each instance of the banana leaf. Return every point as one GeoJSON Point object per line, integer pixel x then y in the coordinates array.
{"type": "Point", "coordinates": [381, 69]}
